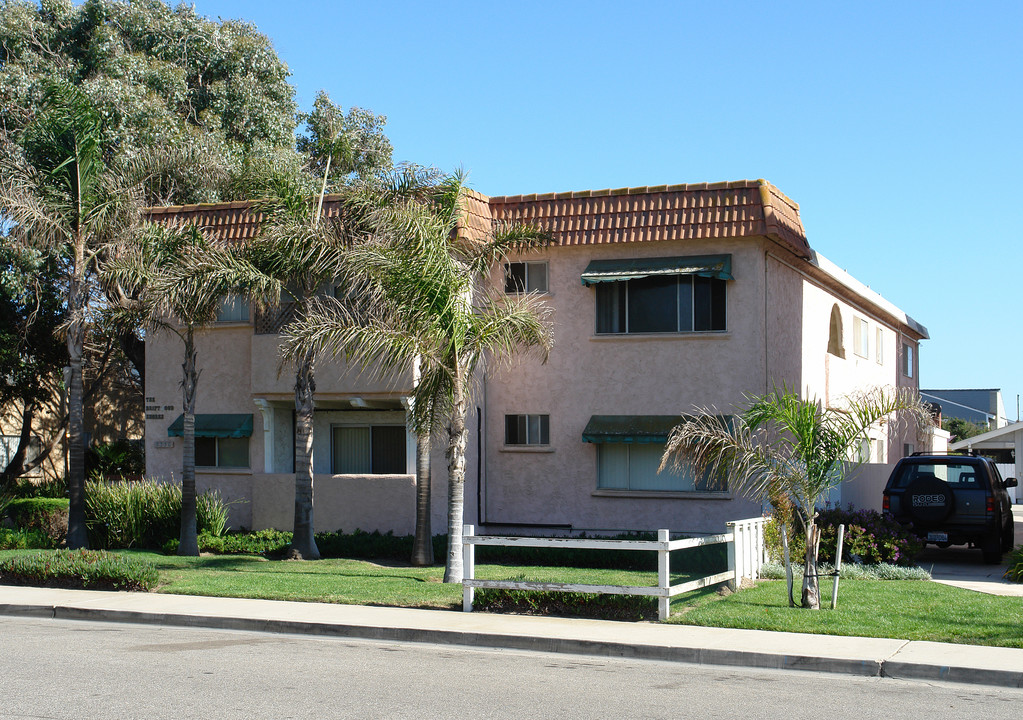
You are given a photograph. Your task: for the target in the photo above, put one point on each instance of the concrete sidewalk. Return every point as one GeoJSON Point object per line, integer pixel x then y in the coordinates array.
{"type": "Point", "coordinates": [870, 657]}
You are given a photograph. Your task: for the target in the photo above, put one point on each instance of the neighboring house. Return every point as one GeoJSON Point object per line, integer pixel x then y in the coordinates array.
{"type": "Point", "coordinates": [113, 411]}
{"type": "Point", "coordinates": [665, 299]}
{"type": "Point", "coordinates": [983, 407]}
{"type": "Point", "coordinates": [1003, 444]}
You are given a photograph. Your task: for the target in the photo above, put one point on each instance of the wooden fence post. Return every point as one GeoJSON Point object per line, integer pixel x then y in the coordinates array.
{"type": "Point", "coordinates": [663, 575]}
{"type": "Point", "coordinates": [733, 565]}
{"type": "Point", "coordinates": [468, 566]}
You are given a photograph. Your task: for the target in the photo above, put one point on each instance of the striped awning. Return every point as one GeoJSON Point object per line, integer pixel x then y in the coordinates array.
{"type": "Point", "coordinates": [715, 266]}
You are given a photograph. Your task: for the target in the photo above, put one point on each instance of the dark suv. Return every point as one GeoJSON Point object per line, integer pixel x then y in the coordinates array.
{"type": "Point", "coordinates": [953, 500]}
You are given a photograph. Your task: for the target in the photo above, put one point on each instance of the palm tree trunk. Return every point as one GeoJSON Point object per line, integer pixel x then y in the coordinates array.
{"type": "Point", "coordinates": [457, 437]}
{"type": "Point", "coordinates": [811, 586]}
{"type": "Point", "coordinates": [422, 547]}
{"type": "Point", "coordinates": [303, 544]}
{"type": "Point", "coordinates": [188, 543]}
{"type": "Point", "coordinates": [77, 536]}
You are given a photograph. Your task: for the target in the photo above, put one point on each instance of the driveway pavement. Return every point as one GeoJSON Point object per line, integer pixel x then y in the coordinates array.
{"type": "Point", "coordinates": [964, 567]}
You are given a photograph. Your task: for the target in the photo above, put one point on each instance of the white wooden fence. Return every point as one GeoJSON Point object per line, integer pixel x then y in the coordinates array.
{"type": "Point", "coordinates": [745, 539]}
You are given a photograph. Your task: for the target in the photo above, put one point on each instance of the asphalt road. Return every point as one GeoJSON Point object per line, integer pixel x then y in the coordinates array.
{"type": "Point", "coordinates": [68, 669]}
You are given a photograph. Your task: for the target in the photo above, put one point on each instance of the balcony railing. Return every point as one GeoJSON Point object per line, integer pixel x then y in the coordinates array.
{"type": "Point", "coordinates": [270, 320]}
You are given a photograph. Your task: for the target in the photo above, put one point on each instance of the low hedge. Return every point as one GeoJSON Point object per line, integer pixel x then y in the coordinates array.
{"type": "Point", "coordinates": [566, 604]}
{"type": "Point", "coordinates": [78, 569]}
{"type": "Point", "coordinates": [19, 539]}
{"type": "Point", "coordinates": [41, 514]}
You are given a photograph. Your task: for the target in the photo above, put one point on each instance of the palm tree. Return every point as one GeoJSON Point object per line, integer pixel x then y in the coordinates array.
{"type": "Point", "coordinates": [296, 254]}
{"type": "Point", "coordinates": [427, 301]}
{"type": "Point", "coordinates": [790, 448]}
{"type": "Point", "coordinates": [154, 272]}
{"type": "Point", "coordinates": [57, 195]}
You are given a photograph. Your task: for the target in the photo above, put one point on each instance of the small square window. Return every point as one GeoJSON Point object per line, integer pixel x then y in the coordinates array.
{"type": "Point", "coordinates": [233, 308]}
{"type": "Point", "coordinates": [522, 277]}
{"type": "Point", "coordinates": [527, 430]}
{"type": "Point", "coordinates": [222, 452]}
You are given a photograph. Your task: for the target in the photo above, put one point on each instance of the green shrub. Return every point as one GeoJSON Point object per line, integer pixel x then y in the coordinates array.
{"type": "Point", "coordinates": [144, 513]}
{"type": "Point", "coordinates": [1015, 570]}
{"type": "Point", "coordinates": [566, 604]}
{"type": "Point", "coordinates": [870, 538]}
{"type": "Point", "coordinates": [18, 539]}
{"type": "Point", "coordinates": [27, 488]}
{"type": "Point", "coordinates": [850, 571]}
{"type": "Point", "coordinates": [116, 460]}
{"type": "Point", "coordinates": [96, 570]}
{"type": "Point", "coordinates": [41, 514]}
{"type": "Point", "coordinates": [260, 542]}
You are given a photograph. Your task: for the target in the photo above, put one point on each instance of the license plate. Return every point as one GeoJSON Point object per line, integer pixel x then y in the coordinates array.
{"type": "Point", "coordinates": [937, 537]}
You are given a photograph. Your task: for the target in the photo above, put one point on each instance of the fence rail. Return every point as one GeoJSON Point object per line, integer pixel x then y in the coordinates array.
{"type": "Point", "coordinates": [745, 540]}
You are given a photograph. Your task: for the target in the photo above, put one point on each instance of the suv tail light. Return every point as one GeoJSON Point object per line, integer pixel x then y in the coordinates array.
{"type": "Point", "coordinates": [990, 503]}
{"type": "Point", "coordinates": [886, 506]}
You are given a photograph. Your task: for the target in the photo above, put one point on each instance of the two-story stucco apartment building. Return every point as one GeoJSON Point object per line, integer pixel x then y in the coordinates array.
{"type": "Point", "coordinates": [665, 299]}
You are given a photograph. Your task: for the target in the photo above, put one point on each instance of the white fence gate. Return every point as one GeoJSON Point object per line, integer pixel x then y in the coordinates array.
{"type": "Point", "coordinates": [745, 540]}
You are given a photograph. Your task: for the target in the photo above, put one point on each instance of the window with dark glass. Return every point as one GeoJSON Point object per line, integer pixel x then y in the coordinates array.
{"type": "Point", "coordinates": [368, 450]}
{"type": "Point", "coordinates": [222, 452]}
{"type": "Point", "coordinates": [661, 304]}
{"type": "Point", "coordinates": [527, 430]}
{"type": "Point", "coordinates": [523, 277]}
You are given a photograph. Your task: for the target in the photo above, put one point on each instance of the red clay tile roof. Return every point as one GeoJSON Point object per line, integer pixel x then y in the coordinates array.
{"type": "Point", "coordinates": [667, 212]}
{"type": "Point", "coordinates": [477, 220]}
{"type": "Point", "coordinates": [225, 221]}
{"type": "Point", "coordinates": [744, 208]}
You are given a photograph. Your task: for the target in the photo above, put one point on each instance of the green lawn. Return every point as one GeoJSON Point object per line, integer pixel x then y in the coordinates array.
{"type": "Point", "coordinates": [354, 582]}
{"type": "Point", "coordinates": [905, 609]}
{"type": "Point", "coordinates": [912, 610]}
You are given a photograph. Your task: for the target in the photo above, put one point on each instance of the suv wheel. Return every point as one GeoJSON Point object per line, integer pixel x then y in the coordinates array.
{"type": "Point", "coordinates": [1008, 535]}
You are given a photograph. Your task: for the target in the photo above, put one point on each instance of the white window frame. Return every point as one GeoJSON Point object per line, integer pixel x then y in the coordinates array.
{"type": "Point", "coordinates": [530, 440]}
{"type": "Point", "coordinates": [628, 447]}
{"type": "Point", "coordinates": [861, 337]}
{"type": "Point", "coordinates": [526, 265]}
{"type": "Point", "coordinates": [879, 345]}
{"type": "Point", "coordinates": [907, 360]}
{"type": "Point", "coordinates": [370, 427]}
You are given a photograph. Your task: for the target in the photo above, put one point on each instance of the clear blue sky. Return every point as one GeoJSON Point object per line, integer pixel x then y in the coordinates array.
{"type": "Point", "coordinates": [896, 126]}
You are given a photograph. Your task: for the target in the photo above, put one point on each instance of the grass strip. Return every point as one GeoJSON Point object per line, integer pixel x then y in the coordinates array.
{"type": "Point", "coordinates": [902, 609]}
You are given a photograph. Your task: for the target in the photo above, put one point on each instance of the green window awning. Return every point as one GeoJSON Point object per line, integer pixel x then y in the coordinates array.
{"type": "Point", "coordinates": [215, 425]}
{"type": "Point", "coordinates": [713, 266]}
{"type": "Point", "coordinates": [629, 428]}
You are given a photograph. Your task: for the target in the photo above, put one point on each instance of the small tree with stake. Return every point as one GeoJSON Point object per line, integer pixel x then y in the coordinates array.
{"type": "Point", "coordinates": [792, 448]}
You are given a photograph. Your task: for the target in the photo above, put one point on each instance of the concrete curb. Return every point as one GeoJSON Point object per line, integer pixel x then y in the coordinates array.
{"type": "Point", "coordinates": [890, 667]}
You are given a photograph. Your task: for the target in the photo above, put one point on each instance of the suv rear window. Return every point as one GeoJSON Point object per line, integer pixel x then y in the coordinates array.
{"type": "Point", "coordinates": [955, 474]}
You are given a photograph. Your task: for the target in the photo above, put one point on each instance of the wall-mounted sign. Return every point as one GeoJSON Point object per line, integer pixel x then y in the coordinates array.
{"type": "Point", "coordinates": [164, 444]}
